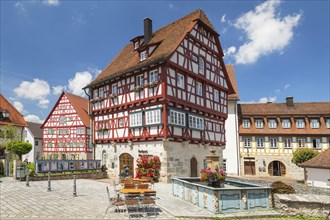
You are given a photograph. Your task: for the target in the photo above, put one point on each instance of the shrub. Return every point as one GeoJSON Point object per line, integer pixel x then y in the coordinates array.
{"type": "Point", "coordinates": [2, 169]}
{"type": "Point", "coordinates": [31, 168]}
{"type": "Point", "coordinates": [303, 154]}
{"type": "Point", "coordinates": [281, 188]}
{"type": "Point", "coordinates": [148, 167]}
{"type": "Point", "coordinates": [19, 148]}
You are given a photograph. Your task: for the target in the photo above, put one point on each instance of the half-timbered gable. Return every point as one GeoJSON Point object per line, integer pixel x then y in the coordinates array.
{"type": "Point", "coordinates": [169, 86]}
{"type": "Point", "coordinates": [66, 131]}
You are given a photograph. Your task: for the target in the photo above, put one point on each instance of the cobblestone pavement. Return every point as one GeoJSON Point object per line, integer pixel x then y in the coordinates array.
{"type": "Point", "coordinates": [34, 202]}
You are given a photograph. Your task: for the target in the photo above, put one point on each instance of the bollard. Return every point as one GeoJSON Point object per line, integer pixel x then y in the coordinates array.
{"type": "Point", "coordinates": [74, 186]}
{"type": "Point", "coordinates": [27, 180]}
{"type": "Point", "coordinates": [49, 189]}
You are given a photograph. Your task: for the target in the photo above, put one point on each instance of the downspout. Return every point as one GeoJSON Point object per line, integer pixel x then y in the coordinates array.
{"type": "Point", "coordinates": [237, 139]}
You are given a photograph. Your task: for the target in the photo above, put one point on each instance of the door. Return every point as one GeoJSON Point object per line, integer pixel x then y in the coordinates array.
{"type": "Point", "coordinates": [249, 168]}
{"type": "Point", "coordinates": [126, 159]}
{"type": "Point", "coordinates": [276, 168]}
{"type": "Point", "coordinates": [193, 167]}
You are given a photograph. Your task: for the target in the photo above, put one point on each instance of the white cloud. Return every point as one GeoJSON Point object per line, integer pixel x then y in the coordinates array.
{"type": "Point", "coordinates": [170, 5]}
{"type": "Point", "coordinates": [230, 51]}
{"type": "Point", "coordinates": [277, 91]}
{"type": "Point", "coordinates": [58, 89]}
{"type": "Point", "coordinates": [51, 2]}
{"type": "Point", "coordinates": [78, 19]}
{"type": "Point", "coordinates": [21, 8]}
{"type": "Point", "coordinates": [267, 99]}
{"type": "Point", "coordinates": [33, 118]}
{"type": "Point", "coordinates": [223, 18]}
{"type": "Point", "coordinates": [80, 80]}
{"type": "Point", "coordinates": [20, 107]}
{"type": "Point", "coordinates": [266, 32]}
{"type": "Point", "coordinates": [287, 86]}
{"type": "Point", "coordinates": [37, 90]}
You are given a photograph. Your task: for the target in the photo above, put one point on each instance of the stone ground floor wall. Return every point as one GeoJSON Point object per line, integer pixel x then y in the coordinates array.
{"type": "Point", "coordinates": [174, 156]}
{"type": "Point", "coordinates": [262, 163]}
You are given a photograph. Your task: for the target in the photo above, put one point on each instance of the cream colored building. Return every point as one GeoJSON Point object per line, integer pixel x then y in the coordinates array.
{"type": "Point", "coordinates": [270, 133]}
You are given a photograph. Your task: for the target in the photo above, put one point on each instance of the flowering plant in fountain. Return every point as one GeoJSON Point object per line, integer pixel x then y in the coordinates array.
{"type": "Point", "coordinates": [208, 174]}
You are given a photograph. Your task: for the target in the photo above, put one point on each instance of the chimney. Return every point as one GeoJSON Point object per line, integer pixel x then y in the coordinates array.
{"type": "Point", "coordinates": [147, 30]}
{"type": "Point", "coordinates": [289, 101]}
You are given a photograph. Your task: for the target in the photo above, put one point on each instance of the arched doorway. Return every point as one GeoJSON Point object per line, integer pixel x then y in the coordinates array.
{"type": "Point", "coordinates": [126, 159]}
{"type": "Point", "coordinates": [276, 168]}
{"type": "Point", "coordinates": [193, 167]}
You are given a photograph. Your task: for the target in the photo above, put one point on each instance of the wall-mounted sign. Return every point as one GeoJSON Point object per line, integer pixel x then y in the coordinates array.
{"type": "Point", "coordinates": [144, 153]}
{"type": "Point", "coordinates": [66, 165]}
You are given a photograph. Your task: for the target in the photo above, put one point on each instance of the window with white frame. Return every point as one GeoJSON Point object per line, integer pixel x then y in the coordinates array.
{"type": "Point", "coordinates": [301, 142]}
{"type": "Point", "coordinates": [194, 58]}
{"type": "Point", "coordinates": [139, 80]}
{"type": "Point", "coordinates": [95, 93]}
{"type": "Point", "coordinates": [153, 76]}
{"type": "Point", "coordinates": [153, 117]}
{"type": "Point", "coordinates": [114, 88]}
{"type": "Point", "coordinates": [120, 122]}
{"type": "Point", "coordinates": [259, 123]}
{"type": "Point", "coordinates": [247, 142]}
{"type": "Point", "coordinates": [62, 119]}
{"type": "Point", "coordinates": [217, 128]}
{"type": "Point", "coordinates": [177, 118]}
{"type": "Point", "coordinates": [260, 142]}
{"type": "Point", "coordinates": [101, 92]}
{"type": "Point", "coordinates": [136, 45]}
{"type": "Point", "coordinates": [287, 143]}
{"type": "Point", "coordinates": [63, 131]}
{"type": "Point", "coordinates": [286, 123]}
{"type": "Point", "coordinates": [300, 123]}
{"type": "Point", "coordinates": [143, 55]}
{"type": "Point", "coordinates": [199, 89]}
{"type": "Point", "coordinates": [316, 143]}
{"type": "Point", "coordinates": [135, 119]}
{"type": "Point", "coordinates": [216, 95]}
{"type": "Point", "coordinates": [50, 144]}
{"type": "Point", "coordinates": [81, 130]}
{"type": "Point", "coordinates": [50, 131]}
{"type": "Point", "coordinates": [246, 123]}
{"type": "Point", "coordinates": [196, 122]}
{"type": "Point", "coordinates": [180, 81]}
{"type": "Point", "coordinates": [201, 66]}
{"type": "Point", "coordinates": [272, 123]}
{"type": "Point", "coordinates": [273, 142]}
{"type": "Point", "coordinates": [315, 123]}
{"type": "Point", "coordinates": [328, 122]}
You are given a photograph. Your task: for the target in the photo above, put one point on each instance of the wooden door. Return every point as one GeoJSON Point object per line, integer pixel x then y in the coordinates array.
{"type": "Point", "coordinates": [126, 159]}
{"type": "Point", "coordinates": [282, 169]}
{"type": "Point", "coordinates": [193, 167]}
{"type": "Point", "coordinates": [249, 168]}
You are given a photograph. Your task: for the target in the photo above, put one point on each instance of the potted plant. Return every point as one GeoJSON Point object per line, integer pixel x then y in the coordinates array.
{"type": "Point", "coordinates": [138, 88]}
{"type": "Point", "coordinates": [152, 84]}
{"type": "Point", "coordinates": [214, 178]}
{"type": "Point", "coordinates": [148, 167]}
{"type": "Point", "coordinates": [112, 96]}
{"type": "Point", "coordinates": [102, 129]}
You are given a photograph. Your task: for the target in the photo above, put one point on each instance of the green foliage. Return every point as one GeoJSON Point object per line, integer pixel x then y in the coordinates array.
{"type": "Point", "coordinates": [2, 169]}
{"type": "Point", "coordinates": [19, 148]}
{"type": "Point", "coordinates": [31, 168]}
{"type": "Point", "coordinates": [11, 168]}
{"type": "Point", "coordinates": [8, 134]}
{"type": "Point", "coordinates": [303, 154]}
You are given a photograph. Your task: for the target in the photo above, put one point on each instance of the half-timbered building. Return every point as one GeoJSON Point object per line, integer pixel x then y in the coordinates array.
{"type": "Point", "coordinates": [164, 94]}
{"type": "Point", "coordinates": [66, 130]}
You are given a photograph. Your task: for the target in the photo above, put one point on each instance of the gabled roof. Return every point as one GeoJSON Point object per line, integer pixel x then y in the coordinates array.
{"type": "Point", "coordinates": [15, 117]}
{"type": "Point", "coordinates": [322, 160]}
{"type": "Point", "coordinates": [232, 77]}
{"type": "Point", "coordinates": [35, 129]}
{"type": "Point", "coordinates": [79, 103]}
{"type": "Point", "coordinates": [273, 109]}
{"type": "Point", "coordinates": [168, 38]}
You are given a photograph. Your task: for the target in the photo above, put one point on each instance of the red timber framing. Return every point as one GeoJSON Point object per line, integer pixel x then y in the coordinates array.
{"type": "Point", "coordinates": [188, 102]}
{"type": "Point", "coordinates": [65, 130]}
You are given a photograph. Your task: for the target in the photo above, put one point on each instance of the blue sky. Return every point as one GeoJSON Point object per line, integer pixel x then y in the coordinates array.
{"type": "Point", "coordinates": [279, 48]}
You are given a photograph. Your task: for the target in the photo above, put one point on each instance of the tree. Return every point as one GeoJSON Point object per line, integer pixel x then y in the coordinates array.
{"type": "Point", "coordinates": [8, 134]}
{"type": "Point", "coordinates": [303, 154]}
{"type": "Point", "coordinates": [18, 147]}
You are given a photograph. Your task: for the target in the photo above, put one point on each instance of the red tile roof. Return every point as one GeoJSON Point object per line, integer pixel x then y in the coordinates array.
{"type": "Point", "coordinates": [322, 160]}
{"type": "Point", "coordinates": [232, 77]}
{"type": "Point", "coordinates": [15, 117]}
{"type": "Point", "coordinates": [168, 38]}
{"type": "Point", "coordinates": [278, 109]}
{"type": "Point", "coordinates": [80, 104]}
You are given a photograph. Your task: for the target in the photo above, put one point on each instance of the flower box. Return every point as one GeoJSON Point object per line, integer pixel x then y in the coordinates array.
{"type": "Point", "coordinates": [102, 129]}
{"type": "Point", "coordinates": [95, 100]}
{"type": "Point", "coordinates": [152, 84]}
{"type": "Point", "coordinates": [112, 96]}
{"type": "Point", "coordinates": [214, 178]}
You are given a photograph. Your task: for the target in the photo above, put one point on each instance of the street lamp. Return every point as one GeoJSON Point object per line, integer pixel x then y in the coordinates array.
{"type": "Point", "coordinates": [4, 114]}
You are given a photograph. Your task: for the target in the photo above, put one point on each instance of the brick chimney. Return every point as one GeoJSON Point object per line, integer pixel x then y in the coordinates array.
{"type": "Point", "coordinates": [289, 101]}
{"type": "Point", "coordinates": [147, 30]}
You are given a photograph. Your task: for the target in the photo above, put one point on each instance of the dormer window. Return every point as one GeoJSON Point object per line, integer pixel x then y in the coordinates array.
{"type": "Point", "coordinates": [143, 55]}
{"type": "Point", "coordinates": [136, 45]}
{"type": "Point", "coordinates": [315, 123]}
